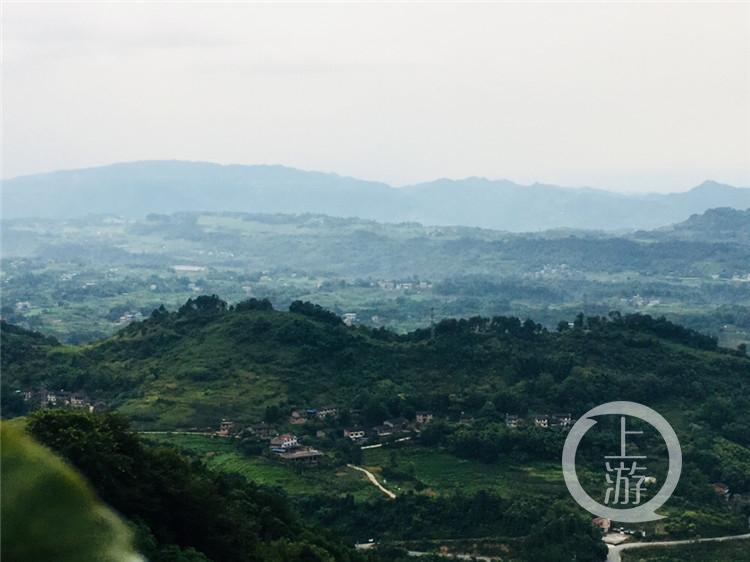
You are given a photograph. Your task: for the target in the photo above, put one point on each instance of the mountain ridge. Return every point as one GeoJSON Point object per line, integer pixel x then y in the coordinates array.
{"type": "Point", "coordinates": [135, 189]}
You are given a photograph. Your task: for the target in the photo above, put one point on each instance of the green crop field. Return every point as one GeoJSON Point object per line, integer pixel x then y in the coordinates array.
{"type": "Point", "coordinates": [446, 474]}
{"type": "Point", "coordinates": [220, 454]}
{"type": "Point", "coordinates": [729, 551]}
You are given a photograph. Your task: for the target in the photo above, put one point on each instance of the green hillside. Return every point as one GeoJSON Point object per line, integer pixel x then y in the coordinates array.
{"type": "Point", "coordinates": [188, 369]}
{"type": "Point", "coordinates": [207, 361]}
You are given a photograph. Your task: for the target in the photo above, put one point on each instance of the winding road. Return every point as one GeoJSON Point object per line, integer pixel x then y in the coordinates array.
{"type": "Point", "coordinates": [371, 478]}
{"type": "Point", "coordinates": [615, 552]}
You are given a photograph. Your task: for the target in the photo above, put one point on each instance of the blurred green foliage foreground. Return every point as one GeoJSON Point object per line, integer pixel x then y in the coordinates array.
{"type": "Point", "coordinates": [50, 513]}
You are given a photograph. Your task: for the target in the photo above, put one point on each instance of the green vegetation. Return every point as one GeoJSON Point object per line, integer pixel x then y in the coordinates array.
{"type": "Point", "coordinates": [180, 510]}
{"type": "Point", "coordinates": [729, 551]}
{"type": "Point", "coordinates": [83, 279]}
{"type": "Point", "coordinates": [466, 475]}
{"type": "Point", "coordinates": [223, 455]}
{"type": "Point", "coordinates": [47, 508]}
{"type": "Point", "coordinates": [437, 472]}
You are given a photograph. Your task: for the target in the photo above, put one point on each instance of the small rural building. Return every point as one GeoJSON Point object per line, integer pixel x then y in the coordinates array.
{"type": "Point", "coordinates": [298, 417]}
{"type": "Point", "coordinates": [354, 434]}
{"type": "Point", "coordinates": [603, 523]}
{"type": "Point", "coordinates": [284, 441]}
{"type": "Point", "coordinates": [225, 428]}
{"type": "Point", "coordinates": [326, 412]}
{"type": "Point", "coordinates": [562, 421]}
{"type": "Point", "coordinates": [306, 455]}
{"type": "Point", "coordinates": [721, 489]}
{"type": "Point", "coordinates": [512, 420]}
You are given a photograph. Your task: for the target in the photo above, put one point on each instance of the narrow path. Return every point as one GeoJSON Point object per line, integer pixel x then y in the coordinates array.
{"type": "Point", "coordinates": [371, 478]}
{"type": "Point", "coordinates": [456, 556]}
{"type": "Point", "coordinates": [615, 552]}
{"type": "Point", "coordinates": [452, 555]}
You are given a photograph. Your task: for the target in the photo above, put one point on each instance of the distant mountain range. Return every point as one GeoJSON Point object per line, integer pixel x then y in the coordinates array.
{"type": "Point", "coordinates": [139, 188]}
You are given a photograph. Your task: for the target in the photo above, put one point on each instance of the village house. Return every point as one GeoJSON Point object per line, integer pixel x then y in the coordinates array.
{"type": "Point", "coordinates": [423, 418]}
{"type": "Point", "coordinates": [561, 421]}
{"type": "Point", "coordinates": [721, 489]}
{"type": "Point", "coordinates": [354, 434]}
{"type": "Point", "coordinates": [349, 318]}
{"type": "Point", "coordinates": [56, 398]}
{"type": "Point", "coordinates": [49, 397]}
{"type": "Point", "coordinates": [301, 455]}
{"type": "Point", "coordinates": [298, 417]}
{"type": "Point", "coordinates": [78, 401]}
{"type": "Point", "coordinates": [225, 428]}
{"type": "Point", "coordinates": [283, 442]}
{"type": "Point", "coordinates": [603, 523]}
{"type": "Point", "coordinates": [326, 412]}
{"type": "Point", "coordinates": [541, 421]}
{"type": "Point", "coordinates": [512, 421]}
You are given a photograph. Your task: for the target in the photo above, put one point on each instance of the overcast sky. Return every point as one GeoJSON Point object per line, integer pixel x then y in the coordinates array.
{"type": "Point", "coordinates": [648, 97]}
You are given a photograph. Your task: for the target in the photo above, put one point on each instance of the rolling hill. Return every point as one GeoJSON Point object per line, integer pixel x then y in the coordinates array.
{"type": "Point", "coordinates": [715, 225]}
{"type": "Point", "coordinates": [207, 361]}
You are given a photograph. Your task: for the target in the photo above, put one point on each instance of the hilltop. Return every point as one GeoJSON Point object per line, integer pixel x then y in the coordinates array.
{"type": "Point", "coordinates": [135, 189]}
{"type": "Point", "coordinates": [208, 360]}
{"type": "Point", "coordinates": [717, 225]}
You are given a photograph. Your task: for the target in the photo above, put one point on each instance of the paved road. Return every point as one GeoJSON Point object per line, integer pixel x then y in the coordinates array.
{"type": "Point", "coordinates": [615, 552]}
{"type": "Point", "coordinates": [371, 478]}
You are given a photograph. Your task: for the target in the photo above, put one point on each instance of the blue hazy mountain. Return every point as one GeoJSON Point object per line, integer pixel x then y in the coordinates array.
{"type": "Point", "coordinates": [139, 188]}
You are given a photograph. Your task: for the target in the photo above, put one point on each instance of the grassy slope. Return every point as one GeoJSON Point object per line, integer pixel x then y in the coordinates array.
{"type": "Point", "coordinates": [220, 454]}
{"type": "Point", "coordinates": [442, 473]}
{"type": "Point", "coordinates": [731, 551]}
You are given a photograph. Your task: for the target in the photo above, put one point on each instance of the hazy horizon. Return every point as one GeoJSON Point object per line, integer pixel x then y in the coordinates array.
{"type": "Point", "coordinates": [399, 93]}
{"type": "Point", "coordinates": [683, 189]}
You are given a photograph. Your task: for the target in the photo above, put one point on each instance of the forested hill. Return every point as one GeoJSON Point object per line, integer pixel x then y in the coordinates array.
{"type": "Point", "coordinates": [207, 361]}
{"type": "Point", "coordinates": [717, 225]}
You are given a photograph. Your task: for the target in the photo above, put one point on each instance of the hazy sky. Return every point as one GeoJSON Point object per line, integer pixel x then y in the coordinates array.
{"type": "Point", "coordinates": [621, 96]}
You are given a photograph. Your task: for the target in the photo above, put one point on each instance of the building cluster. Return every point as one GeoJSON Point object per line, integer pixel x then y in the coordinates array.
{"type": "Point", "coordinates": [404, 285]}
{"type": "Point", "coordinates": [130, 317]}
{"type": "Point", "coordinates": [285, 446]}
{"type": "Point", "coordinates": [44, 398]}
{"type": "Point", "coordinates": [637, 301]}
{"type": "Point", "coordinates": [544, 421]}
{"type": "Point", "coordinates": [299, 417]}
{"type": "Point", "coordinates": [389, 427]}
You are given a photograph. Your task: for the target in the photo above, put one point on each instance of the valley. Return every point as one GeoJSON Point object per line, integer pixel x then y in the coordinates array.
{"type": "Point", "coordinates": [84, 279]}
